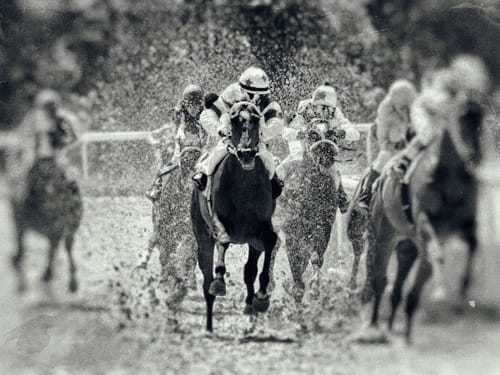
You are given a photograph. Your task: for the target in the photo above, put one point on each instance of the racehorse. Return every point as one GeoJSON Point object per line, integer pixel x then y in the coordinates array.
{"type": "Point", "coordinates": [241, 197]}
{"type": "Point", "coordinates": [310, 200]}
{"type": "Point", "coordinates": [51, 207]}
{"type": "Point", "coordinates": [172, 231]}
{"type": "Point", "coordinates": [442, 192]}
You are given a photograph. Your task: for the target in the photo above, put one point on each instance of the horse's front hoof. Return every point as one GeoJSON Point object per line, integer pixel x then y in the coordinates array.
{"type": "Point", "coordinates": [73, 286]}
{"type": "Point", "coordinates": [248, 310]}
{"type": "Point", "coordinates": [261, 304]}
{"type": "Point", "coordinates": [217, 288]}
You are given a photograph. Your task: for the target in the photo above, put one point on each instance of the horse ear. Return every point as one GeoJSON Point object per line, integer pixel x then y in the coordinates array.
{"type": "Point", "coordinates": [210, 99]}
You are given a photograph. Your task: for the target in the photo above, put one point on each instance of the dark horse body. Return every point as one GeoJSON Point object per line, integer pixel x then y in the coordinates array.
{"type": "Point", "coordinates": [311, 199]}
{"type": "Point", "coordinates": [241, 196]}
{"type": "Point", "coordinates": [442, 191]}
{"type": "Point", "coordinates": [53, 208]}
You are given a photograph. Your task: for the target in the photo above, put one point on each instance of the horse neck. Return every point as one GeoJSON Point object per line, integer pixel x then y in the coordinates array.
{"type": "Point", "coordinates": [232, 171]}
{"type": "Point", "coordinates": [451, 174]}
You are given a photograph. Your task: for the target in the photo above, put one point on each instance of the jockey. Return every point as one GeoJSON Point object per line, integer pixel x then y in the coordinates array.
{"type": "Point", "coordinates": [188, 133]}
{"type": "Point", "coordinates": [46, 131]}
{"type": "Point", "coordinates": [393, 126]}
{"type": "Point", "coordinates": [439, 104]}
{"type": "Point", "coordinates": [322, 106]}
{"type": "Point", "coordinates": [253, 86]}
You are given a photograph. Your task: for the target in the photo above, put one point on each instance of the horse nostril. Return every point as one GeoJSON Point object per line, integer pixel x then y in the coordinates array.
{"type": "Point", "coordinates": [239, 153]}
{"type": "Point", "coordinates": [253, 153]}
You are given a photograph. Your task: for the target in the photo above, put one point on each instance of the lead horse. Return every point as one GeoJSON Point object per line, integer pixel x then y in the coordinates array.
{"type": "Point", "coordinates": [443, 193]}
{"type": "Point", "coordinates": [241, 198]}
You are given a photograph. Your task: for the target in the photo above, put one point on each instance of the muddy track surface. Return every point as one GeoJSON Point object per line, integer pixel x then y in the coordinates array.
{"type": "Point", "coordinates": [119, 322]}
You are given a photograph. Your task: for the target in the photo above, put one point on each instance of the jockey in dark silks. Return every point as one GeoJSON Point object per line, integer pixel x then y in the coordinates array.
{"type": "Point", "coordinates": [188, 133]}
{"type": "Point", "coordinates": [47, 131]}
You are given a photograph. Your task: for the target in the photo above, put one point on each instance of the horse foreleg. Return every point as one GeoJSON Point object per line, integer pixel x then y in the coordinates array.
{"type": "Point", "coordinates": [298, 257]}
{"type": "Point", "coordinates": [250, 273]}
{"type": "Point", "coordinates": [423, 274]}
{"type": "Point", "coordinates": [260, 301]}
{"type": "Point", "coordinates": [470, 237]}
{"type": "Point", "coordinates": [73, 284]}
{"type": "Point", "coordinates": [53, 245]}
{"type": "Point", "coordinates": [218, 286]}
{"type": "Point", "coordinates": [407, 254]}
{"type": "Point", "coordinates": [431, 249]}
{"type": "Point", "coordinates": [17, 259]}
{"type": "Point", "coordinates": [206, 265]}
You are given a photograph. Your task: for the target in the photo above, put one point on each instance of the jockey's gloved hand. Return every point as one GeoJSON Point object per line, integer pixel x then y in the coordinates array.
{"type": "Point", "coordinates": [399, 168]}
{"type": "Point", "coordinates": [222, 131]}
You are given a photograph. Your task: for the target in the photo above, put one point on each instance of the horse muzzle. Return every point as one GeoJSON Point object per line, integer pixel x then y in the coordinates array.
{"type": "Point", "coordinates": [324, 152]}
{"type": "Point", "coordinates": [246, 157]}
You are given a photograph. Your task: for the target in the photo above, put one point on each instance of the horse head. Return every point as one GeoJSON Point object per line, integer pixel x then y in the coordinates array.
{"type": "Point", "coordinates": [321, 143]}
{"type": "Point", "coordinates": [466, 133]}
{"type": "Point", "coordinates": [245, 132]}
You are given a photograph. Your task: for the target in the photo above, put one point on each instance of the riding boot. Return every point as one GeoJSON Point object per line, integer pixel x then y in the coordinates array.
{"type": "Point", "coordinates": [366, 192]}
{"type": "Point", "coordinates": [200, 180]}
{"type": "Point", "coordinates": [343, 199]}
{"type": "Point", "coordinates": [277, 186]}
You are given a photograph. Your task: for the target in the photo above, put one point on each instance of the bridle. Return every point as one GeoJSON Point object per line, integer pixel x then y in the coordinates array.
{"type": "Point", "coordinates": [235, 112]}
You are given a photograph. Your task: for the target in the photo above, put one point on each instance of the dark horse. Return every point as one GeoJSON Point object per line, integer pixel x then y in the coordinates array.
{"type": "Point", "coordinates": [442, 192]}
{"type": "Point", "coordinates": [51, 207]}
{"type": "Point", "coordinates": [241, 197]}
{"type": "Point", "coordinates": [310, 200]}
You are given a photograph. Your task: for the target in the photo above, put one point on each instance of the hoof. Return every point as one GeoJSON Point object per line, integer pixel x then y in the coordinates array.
{"type": "Point", "coordinates": [371, 335]}
{"type": "Point", "coordinates": [47, 276]}
{"type": "Point", "coordinates": [261, 304]}
{"type": "Point", "coordinates": [248, 310]}
{"type": "Point", "coordinates": [217, 288]}
{"type": "Point", "coordinates": [73, 286]}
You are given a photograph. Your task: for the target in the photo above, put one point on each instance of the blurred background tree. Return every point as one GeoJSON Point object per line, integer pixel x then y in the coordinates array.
{"type": "Point", "coordinates": [122, 64]}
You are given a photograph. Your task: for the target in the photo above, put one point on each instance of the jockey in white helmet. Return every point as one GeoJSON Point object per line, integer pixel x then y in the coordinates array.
{"type": "Point", "coordinates": [253, 85]}
{"type": "Point", "coordinates": [393, 129]}
{"type": "Point", "coordinates": [322, 106]}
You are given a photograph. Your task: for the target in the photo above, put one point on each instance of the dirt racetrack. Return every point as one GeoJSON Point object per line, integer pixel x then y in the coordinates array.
{"type": "Point", "coordinates": [118, 324]}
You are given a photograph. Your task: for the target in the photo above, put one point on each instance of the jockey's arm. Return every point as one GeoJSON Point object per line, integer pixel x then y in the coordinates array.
{"type": "Point", "coordinates": [210, 122]}
{"type": "Point", "coordinates": [351, 134]}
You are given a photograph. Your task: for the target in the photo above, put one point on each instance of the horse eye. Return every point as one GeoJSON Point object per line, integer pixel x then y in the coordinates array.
{"type": "Point", "coordinates": [330, 134]}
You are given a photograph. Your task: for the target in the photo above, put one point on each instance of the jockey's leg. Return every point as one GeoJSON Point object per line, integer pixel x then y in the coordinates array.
{"type": "Point", "coordinates": [208, 165]}
{"type": "Point", "coordinates": [154, 192]}
{"type": "Point", "coordinates": [268, 160]}
{"type": "Point", "coordinates": [375, 170]}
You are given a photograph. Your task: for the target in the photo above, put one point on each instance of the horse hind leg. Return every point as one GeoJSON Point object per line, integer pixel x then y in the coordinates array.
{"type": "Point", "coordinates": [298, 258]}
{"type": "Point", "coordinates": [423, 274]}
{"type": "Point", "coordinates": [73, 283]}
{"type": "Point", "coordinates": [355, 232]}
{"type": "Point", "coordinates": [17, 258]}
{"type": "Point", "coordinates": [407, 254]}
{"type": "Point", "coordinates": [53, 245]}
